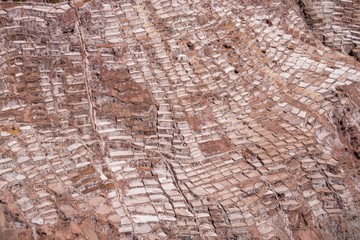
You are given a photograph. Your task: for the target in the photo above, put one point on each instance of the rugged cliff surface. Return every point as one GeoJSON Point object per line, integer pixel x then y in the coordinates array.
{"type": "Point", "coordinates": [179, 120]}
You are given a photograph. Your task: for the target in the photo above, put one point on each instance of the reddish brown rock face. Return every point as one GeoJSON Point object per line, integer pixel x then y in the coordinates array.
{"type": "Point", "coordinates": [179, 120]}
{"type": "Point", "coordinates": [12, 225]}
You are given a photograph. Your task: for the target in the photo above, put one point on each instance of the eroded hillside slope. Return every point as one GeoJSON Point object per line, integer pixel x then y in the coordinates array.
{"type": "Point", "coordinates": [175, 120]}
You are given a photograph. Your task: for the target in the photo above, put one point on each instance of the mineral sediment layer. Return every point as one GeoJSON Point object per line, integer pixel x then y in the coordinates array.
{"type": "Point", "coordinates": [175, 119]}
